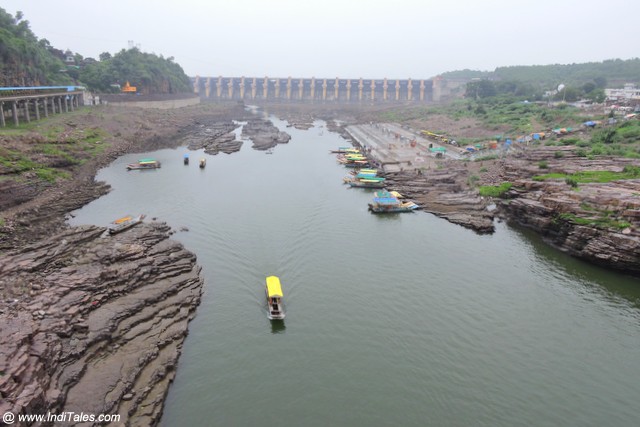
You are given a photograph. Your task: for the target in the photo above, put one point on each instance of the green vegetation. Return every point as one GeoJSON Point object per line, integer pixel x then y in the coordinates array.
{"type": "Point", "coordinates": [25, 60]}
{"type": "Point", "coordinates": [495, 190]}
{"type": "Point", "coordinates": [146, 71]}
{"type": "Point", "coordinates": [54, 156]}
{"type": "Point", "coordinates": [629, 172]}
{"type": "Point", "coordinates": [603, 221]}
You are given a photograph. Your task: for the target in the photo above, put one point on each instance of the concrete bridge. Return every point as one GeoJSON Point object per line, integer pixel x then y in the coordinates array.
{"type": "Point", "coordinates": [317, 90]}
{"type": "Point", "coordinates": [31, 106]}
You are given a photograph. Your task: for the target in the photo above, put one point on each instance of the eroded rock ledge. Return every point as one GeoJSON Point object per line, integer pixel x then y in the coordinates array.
{"type": "Point", "coordinates": [95, 324]}
{"type": "Point", "coordinates": [598, 222]}
{"type": "Point", "coordinates": [440, 193]}
{"type": "Point", "coordinates": [264, 134]}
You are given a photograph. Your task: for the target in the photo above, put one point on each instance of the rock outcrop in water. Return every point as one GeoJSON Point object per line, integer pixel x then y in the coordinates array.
{"type": "Point", "coordinates": [264, 134]}
{"type": "Point", "coordinates": [215, 138]}
{"type": "Point", "coordinates": [95, 324]}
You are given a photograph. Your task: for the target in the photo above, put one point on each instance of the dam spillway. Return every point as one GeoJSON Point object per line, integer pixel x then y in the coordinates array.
{"type": "Point", "coordinates": [313, 89]}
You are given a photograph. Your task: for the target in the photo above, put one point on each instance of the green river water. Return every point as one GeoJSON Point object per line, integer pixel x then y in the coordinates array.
{"type": "Point", "coordinates": [401, 320]}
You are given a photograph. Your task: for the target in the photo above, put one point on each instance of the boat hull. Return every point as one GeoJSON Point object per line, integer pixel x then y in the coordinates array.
{"type": "Point", "coordinates": [117, 227]}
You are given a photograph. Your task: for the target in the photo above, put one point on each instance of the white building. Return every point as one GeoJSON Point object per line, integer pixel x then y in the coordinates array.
{"type": "Point", "coordinates": [628, 93]}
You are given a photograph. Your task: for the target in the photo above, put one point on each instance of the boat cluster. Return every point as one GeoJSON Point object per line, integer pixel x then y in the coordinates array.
{"type": "Point", "coordinates": [362, 176]}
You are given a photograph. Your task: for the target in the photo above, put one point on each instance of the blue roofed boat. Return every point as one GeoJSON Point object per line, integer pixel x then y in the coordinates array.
{"type": "Point", "coordinates": [389, 202]}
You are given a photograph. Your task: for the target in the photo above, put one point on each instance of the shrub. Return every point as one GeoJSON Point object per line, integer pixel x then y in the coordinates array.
{"type": "Point", "coordinates": [571, 181]}
{"type": "Point", "coordinates": [495, 190]}
{"type": "Point", "coordinates": [543, 164]}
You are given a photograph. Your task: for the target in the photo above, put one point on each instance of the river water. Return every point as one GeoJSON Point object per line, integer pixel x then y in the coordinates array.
{"type": "Point", "coordinates": [400, 320]}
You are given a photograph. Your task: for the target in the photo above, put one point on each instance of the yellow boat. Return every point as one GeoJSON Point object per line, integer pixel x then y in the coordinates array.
{"type": "Point", "coordinates": [275, 305]}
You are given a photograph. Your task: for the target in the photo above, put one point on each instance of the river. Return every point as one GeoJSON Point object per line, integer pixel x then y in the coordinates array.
{"type": "Point", "coordinates": [402, 320]}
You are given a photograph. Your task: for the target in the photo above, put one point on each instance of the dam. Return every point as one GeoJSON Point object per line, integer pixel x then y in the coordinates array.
{"type": "Point", "coordinates": [335, 90]}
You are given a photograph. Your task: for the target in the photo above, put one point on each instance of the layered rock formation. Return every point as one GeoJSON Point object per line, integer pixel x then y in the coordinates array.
{"type": "Point", "coordinates": [95, 324]}
{"type": "Point", "coordinates": [264, 134]}
{"type": "Point", "coordinates": [598, 222]}
{"type": "Point", "coordinates": [439, 192]}
{"type": "Point", "coordinates": [214, 138]}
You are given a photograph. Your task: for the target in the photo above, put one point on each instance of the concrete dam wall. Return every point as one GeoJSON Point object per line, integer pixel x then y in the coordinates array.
{"type": "Point", "coordinates": [315, 90]}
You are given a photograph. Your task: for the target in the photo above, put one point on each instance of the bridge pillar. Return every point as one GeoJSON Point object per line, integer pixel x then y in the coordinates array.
{"type": "Point", "coordinates": [219, 88]}
{"type": "Point", "coordinates": [2, 122]}
{"type": "Point", "coordinates": [373, 90]}
{"type": "Point", "coordinates": [36, 104]}
{"type": "Point", "coordinates": [300, 89]}
{"type": "Point", "coordinates": [324, 89]}
{"type": "Point", "coordinates": [27, 117]}
{"type": "Point", "coordinates": [360, 88]}
{"type": "Point", "coordinates": [348, 90]}
{"type": "Point", "coordinates": [14, 112]}
{"type": "Point", "coordinates": [254, 88]}
{"type": "Point", "coordinates": [276, 86]}
{"type": "Point", "coordinates": [265, 88]}
{"type": "Point", "coordinates": [207, 88]}
{"type": "Point", "coordinates": [313, 88]}
{"type": "Point", "coordinates": [230, 88]}
{"type": "Point", "coordinates": [421, 90]}
{"type": "Point", "coordinates": [45, 101]}
{"type": "Point", "coordinates": [397, 90]}
{"type": "Point", "coordinates": [242, 87]}
{"type": "Point", "coordinates": [409, 90]}
{"type": "Point", "coordinates": [289, 88]}
{"type": "Point", "coordinates": [336, 90]}
{"type": "Point", "coordinates": [59, 104]}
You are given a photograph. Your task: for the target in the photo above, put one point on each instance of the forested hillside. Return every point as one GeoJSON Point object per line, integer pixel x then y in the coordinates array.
{"type": "Point", "coordinates": [25, 60]}
{"type": "Point", "coordinates": [148, 72]}
{"type": "Point", "coordinates": [613, 72]}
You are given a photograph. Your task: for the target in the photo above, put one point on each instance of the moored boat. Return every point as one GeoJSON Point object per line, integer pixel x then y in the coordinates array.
{"type": "Point", "coordinates": [388, 202]}
{"type": "Point", "coordinates": [124, 223]}
{"type": "Point", "coordinates": [144, 164]}
{"type": "Point", "coordinates": [365, 183]}
{"type": "Point", "coordinates": [275, 305]}
{"type": "Point", "coordinates": [186, 159]}
{"type": "Point", "coordinates": [342, 150]}
{"type": "Point", "coordinates": [203, 163]}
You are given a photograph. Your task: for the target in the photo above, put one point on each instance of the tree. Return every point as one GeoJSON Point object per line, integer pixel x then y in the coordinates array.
{"type": "Point", "coordinates": [600, 82]}
{"type": "Point", "coordinates": [588, 87]}
{"type": "Point", "coordinates": [480, 89]}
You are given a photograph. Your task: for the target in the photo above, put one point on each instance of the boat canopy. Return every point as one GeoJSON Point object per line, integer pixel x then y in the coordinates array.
{"type": "Point", "coordinates": [386, 201]}
{"type": "Point", "coordinates": [273, 287]}
{"type": "Point", "coordinates": [147, 161]}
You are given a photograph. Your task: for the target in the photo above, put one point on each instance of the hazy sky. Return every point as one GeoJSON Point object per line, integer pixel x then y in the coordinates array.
{"type": "Point", "coordinates": [341, 38]}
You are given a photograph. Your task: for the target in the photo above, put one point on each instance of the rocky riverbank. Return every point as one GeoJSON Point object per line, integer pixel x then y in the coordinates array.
{"type": "Point", "coordinates": [440, 192]}
{"type": "Point", "coordinates": [89, 323]}
{"type": "Point", "coordinates": [596, 221]}
{"type": "Point", "coordinates": [95, 324]}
